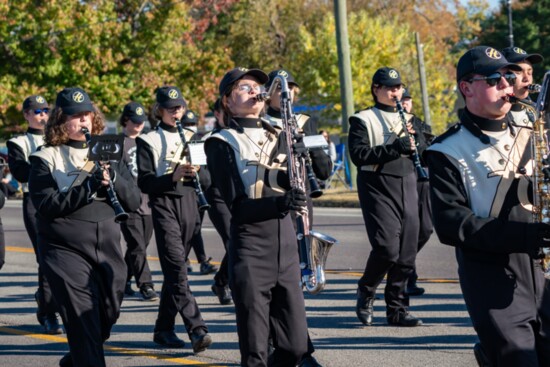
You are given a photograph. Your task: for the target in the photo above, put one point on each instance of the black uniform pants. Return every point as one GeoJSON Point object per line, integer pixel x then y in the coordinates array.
{"type": "Point", "coordinates": [425, 216]}
{"type": "Point", "coordinates": [137, 231]}
{"type": "Point", "coordinates": [390, 211]}
{"type": "Point", "coordinates": [84, 263]}
{"type": "Point", "coordinates": [2, 245]}
{"type": "Point", "coordinates": [264, 277]}
{"type": "Point", "coordinates": [196, 242]}
{"type": "Point", "coordinates": [220, 216]}
{"type": "Point", "coordinates": [508, 300]}
{"type": "Point", "coordinates": [174, 219]}
{"type": "Point", "coordinates": [46, 302]}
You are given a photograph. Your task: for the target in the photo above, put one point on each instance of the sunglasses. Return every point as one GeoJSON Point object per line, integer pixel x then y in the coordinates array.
{"type": "Point", "coordinates": [247, 88]}
{"type": "Point", "coordinates": [39, 111]}
{"type": "Point", "coordinates": [494, 78]}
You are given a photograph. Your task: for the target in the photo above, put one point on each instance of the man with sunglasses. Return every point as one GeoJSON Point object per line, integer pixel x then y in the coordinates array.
{"type": "Point", "coordinates": [386, 184]}
{"type": "Point", "coordinates": [36, 112]}
{"type": "Point", "coordinates": [481, 185]}
{"type": "Point", "coordinates": [525, 61]}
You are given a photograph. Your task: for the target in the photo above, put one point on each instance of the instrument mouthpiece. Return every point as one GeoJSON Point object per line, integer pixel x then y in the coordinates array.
{"type": "Point", "coordinates": [534, 88]}
{"type": "Point", "coordinates": [262, 97]}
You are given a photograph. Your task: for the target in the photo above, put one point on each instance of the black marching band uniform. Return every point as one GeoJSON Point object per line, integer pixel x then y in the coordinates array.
{"type": "Point", "coordinates": [481, 185]}
{"type": "Point", "coordinates": [386, 184]}
{"type": "Point", "coordinates": [137, 230]}
{"type": "Point", "coordinates": [246, 162]}
{"type": "Point", "coordinates": [78, 238]}
{"type": "Point", "coordinates": [2, 238]}
{"type": "Point", "coordinates": [19, 150]}
{"type": "Point", "coordinates": [175, 213]}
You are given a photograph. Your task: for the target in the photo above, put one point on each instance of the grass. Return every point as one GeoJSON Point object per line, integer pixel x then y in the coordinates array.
{"type": "Point", "coordinates": [338, 197]}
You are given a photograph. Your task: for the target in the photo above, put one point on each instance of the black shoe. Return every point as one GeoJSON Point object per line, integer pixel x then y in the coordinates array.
{"type": "Point", "coordinates": [168, 339]}
{"type": "Point", "coordinates": [148, 293]}
{"type": "Point", "coordinates": [51, 325]}
{"type": "Point", "coordinates": [414, 290]}
{"type": "Point", "coordinates": [66, 361]}
{"type": "Point", "coordinates": [404, 319]}
{"type": "Point", "coordinates": [128, 291]}
{"type": "Point", "coordinates": [223, 293]}
{"type": "Point", "coordinates": [309, 361]}
{"type": "Point", "coordinates": [201, 340]}
{"type": "Point", "coordinates": [207, 268]}
{"type": "Point", "coordinates": [189, 267]}
{"type": "Point", "coordinates": [481, 357]}
{"type": "Point", "coordinates": [364, 307]}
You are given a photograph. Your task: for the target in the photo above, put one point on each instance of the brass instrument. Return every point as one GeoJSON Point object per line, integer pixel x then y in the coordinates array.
{"type": "Point", "coordinates": [420, 171]}
{"type": "Point", "coordinates": [120, 214]}
{"type": "Point", "coordinates": [541, 162]}
{"type": "Point", "coordinates": [201, 198]}
{"type": "Point", "coordinates": [313, 246]}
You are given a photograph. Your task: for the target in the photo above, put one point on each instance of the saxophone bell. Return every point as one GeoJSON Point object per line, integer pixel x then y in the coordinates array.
{"type": "Point", "coordinates": [319, 247]}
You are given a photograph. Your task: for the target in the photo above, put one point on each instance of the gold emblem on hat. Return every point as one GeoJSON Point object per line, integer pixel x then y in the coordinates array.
{"type": "Point", "coordinates": [190, 115]}
{"type": "Point", "coordinates": [78, 97]}
{"type": "Point", "coordinates": [393, 74]}
{"type": "Point", "coordinates": [139, 111]}
{"type": "Point", "coordinates": [519, 51]}
{"type": "Point", "coordinates": [242, 69]}
{"type": "Point", "coordinates": [173, 94]}
{"type": "Point", "coordinates": [40, 99]}
{"type": "Point", "coordinates": [283, 73]}
{"type": "Point", "coordinates": [492, 53]}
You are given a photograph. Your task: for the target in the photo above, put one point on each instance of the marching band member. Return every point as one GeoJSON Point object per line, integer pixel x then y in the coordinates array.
{"type": "Point", "coordinates": [246, 162]}
{"type": "Point", "coordinates": [165, 177]}
{"type": "Point", "coordinates": [481, 184]}
{"type": "Point", "coordinates": [138, 228]}
{"type": "Point", "coordinates": [78, 238]}
{"type": "Point", "coordinates": [35, 111]}
{"type": "Point", "coordinates": [386, 184]}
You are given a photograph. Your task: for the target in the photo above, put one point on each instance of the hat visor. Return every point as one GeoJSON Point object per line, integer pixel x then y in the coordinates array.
{"type": "Point", "coordinates": [256, 73]}
{"type": "Point", "coordinates": [491, 69]}
{"type": "Point", "coordinates": [392, 83]}
{"type": "Point", "coordinates": [173, 103]}
{"type": "Point", "coordinates": [73, 110]}
{"type": "Point", "coordinates": [138, 119]}
{"type": "Point", "coordinates": [534, 58]}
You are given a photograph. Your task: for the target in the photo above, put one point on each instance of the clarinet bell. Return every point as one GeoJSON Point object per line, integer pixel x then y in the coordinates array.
{"type": "Point", "coordinates": [315, 190]}
{"type": "Point", "coordinates": [120, 215]}
{"type": "Point", "coordinates": [202, 203]}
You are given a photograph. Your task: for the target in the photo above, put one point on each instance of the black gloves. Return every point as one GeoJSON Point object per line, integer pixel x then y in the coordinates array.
{"type": "Point", "coordinates": [294, 199]}
{"type": "Point", "coordinates": [403, 145]}
{"type": "Point", "coordinates": [299, 148]}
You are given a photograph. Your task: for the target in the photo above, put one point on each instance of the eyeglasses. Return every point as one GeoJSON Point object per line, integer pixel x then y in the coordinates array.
{"type": "Point", "coordinates": [39, 111]}
{"type": "Point", "coordinates": [247, 88]}
{"type": "Point", "coordinates": [494, 78]}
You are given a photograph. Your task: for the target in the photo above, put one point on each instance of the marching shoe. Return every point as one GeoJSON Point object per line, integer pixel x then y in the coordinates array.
{"type": "Point", "coordinates": [481, 357]}
{"type": "Point", "coordinates": [66, 361]}
{"type": "Point", "coordinates": [201, 340]}
{"type": "Point", "coordinates": [403, 318]}
{"type": "Point", "coordinates": [413, 289]}
{"type": "Point", "coordinates": [168, 339]}
{"type": "Point", "coordinates": [51, 325]}
{"type": "Point", "coordinates": [223, 293]}
{"type": "Point", "coordinates": [207, 268]}
{"type": "Point", "coordinates": [189, 267]}
{"type": "Point", "coordinates": [364, 307]}
{"type": "Point", "coordinates": [148, 293]}
{"type": "Point", "coordinates": [40, 316]}
{"type": "Point", "coordinates": [309, 361]}
{"type": "Point", "coordinates": [128, 291]}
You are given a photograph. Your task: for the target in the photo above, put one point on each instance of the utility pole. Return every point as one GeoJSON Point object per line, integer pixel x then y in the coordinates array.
{"type": "Point", "coordinates": [510, 27]}
{"type": "Point", "coordinates": [423, 83]}
{"type": "Point", "coordinates": [346, 88]}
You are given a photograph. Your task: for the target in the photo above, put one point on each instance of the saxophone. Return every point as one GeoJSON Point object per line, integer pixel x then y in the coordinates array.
{"type": "Point", "coordinates": [540, 153]}
{"type": "Point", "coordinates": [313, 247]}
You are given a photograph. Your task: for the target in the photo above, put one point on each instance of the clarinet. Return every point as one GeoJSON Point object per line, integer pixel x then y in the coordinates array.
{"type": "Point", "coordinates": [120, 214]}
{"type": "Point", "coordinates": [201, 199]}
{"type": "Point", "coordinates": [420, 172]}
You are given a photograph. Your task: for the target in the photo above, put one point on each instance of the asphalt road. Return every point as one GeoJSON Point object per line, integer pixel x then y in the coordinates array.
{"type": "Point", "coordinates": [445, 339]}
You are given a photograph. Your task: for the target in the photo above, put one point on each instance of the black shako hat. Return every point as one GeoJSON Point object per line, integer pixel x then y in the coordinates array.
{"type": "Point", "coordinates": [238, 73]}
{"type": "Point", "coordinates": [135, 112]}
{"type": "Point", "coordinates": [35, 102]}
{"type": "Point", "coordinates": [387, 76]}
{"type": "Point", "coordinates": [169, 96]}
{"type": "Point", "coordinates": [189, 118]}
{"type": "Point", "coordinates": [74, 100]}
{"type": "Point", "coordinates": [483, 60]}
{"type": "Point", "coordinates": [516, 54]}
{"type": "Point", "coordinates": [280, 72]}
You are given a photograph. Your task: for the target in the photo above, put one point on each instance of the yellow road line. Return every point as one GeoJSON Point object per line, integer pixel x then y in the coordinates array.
{"type": "Point", "coordinates": [134, 352]}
